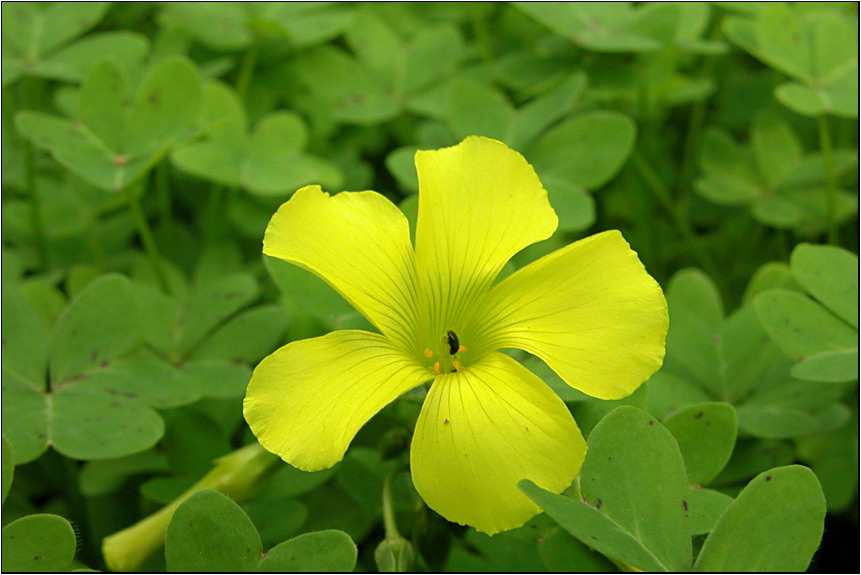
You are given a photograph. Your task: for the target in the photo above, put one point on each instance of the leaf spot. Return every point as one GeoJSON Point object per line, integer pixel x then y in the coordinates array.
{"type": "Point", "coordinates": [699, 415]}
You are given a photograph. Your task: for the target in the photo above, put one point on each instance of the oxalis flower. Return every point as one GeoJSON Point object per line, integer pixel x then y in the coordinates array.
{"type": "Point", "coordinates": [589, 310]}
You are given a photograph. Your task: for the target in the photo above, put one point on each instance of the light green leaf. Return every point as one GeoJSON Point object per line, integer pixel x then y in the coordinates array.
{"type": "Point", "coordinates": [562, 552]}
{"type": "Point", "coordinates": [775, 145]}
{"type": "Point", "coordinates": [775, 524]}
{"type": "Point", "coordinates": [362, 100]}
{"type": "Point", "coordinates": [38, 543]}
{"type": "Point", "coordinates": [8, 466]}
{"type": "Point", "coordinates": [832, 366]}
{"type": "Point", "coordinates": [634, 487]}
{"type": "Point", "coordinates": [587, 150]}
{"type": "Point", "coordinates": [830, 274]}
{"type": "Point", "coordinates": [474, 108]}
{"type": "Point", "coordinates": [74, 62]}
{"type": "Point", "coordinates": [770, 275]}
{"type": "Point", "coordinates": [209, 532]}
{"type": "Point", "coordinates": [706, 435]}
{"type": "Point", "coordinates": [329, 550]}
{"type": "Point", "coordinates": [800, 326]}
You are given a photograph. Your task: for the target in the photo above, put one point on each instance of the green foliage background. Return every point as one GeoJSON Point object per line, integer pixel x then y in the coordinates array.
{"type": "Point", "coordinates": [146, 145]}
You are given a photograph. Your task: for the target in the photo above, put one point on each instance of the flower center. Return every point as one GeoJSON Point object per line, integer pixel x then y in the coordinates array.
{"type": "Point", "coordinates": [446, 358]}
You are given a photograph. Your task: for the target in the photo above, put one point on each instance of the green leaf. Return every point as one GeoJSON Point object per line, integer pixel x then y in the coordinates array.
{"type": "Point", "coordinates": [801, 327]}
{"type": "Point", "coordinates": [276, 518]}
{"type": "Point", "coordinates": [329, 550]}
{"type": "Point", "coordinates": [209, 532]}
{"type": "Point", "coordinates": [25, 417]}
{"type": "Point", "coordinates": [8, 466]}
{"type": "Point", "coordinates": [86, 425]}
{"type": "Point", "coordinates": [107, 475]}
{"type": "Point", "coordinates": [38, 543]}
{"type": "Point", "coordinates": [705, 507]}
{"type": "Point", "coordinates": [247, 337]}
{"type": "Point", "coordinates": [401, 164]}
{"type": "Point", "coordinates": [210, 306]}
{"type": "Point", "coordinates": [775, 524]}
{"type": "Point", "coordinates": [587, 149]}
{"type": "Point", "coordinates": [99, 325]}
{"type": "Point", "coordinates": [634, 487]}
{"type": "Point", "coordinates": [752, 456]}
{"type": "Point", "coordinates": [24, 335]}
{"type": "Point", "coordinates": [706, 435]}
{"type": "Point", "coordinates": [834, 458]}
{"type": "Point", "coordinates": [830, 274]}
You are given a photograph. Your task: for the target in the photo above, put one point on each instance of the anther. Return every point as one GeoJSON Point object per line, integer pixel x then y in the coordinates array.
{"type": "Point", "coordinates": [428, 353]}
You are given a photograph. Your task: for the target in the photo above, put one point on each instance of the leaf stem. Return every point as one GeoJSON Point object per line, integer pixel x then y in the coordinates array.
{"type": "Point", "coordinates": [147, 237]}
{"type": "Point", "coordinates": [246, 70]}
{"type": "Point", "coordinates": [479, 29]}
{"type": "Point", "coordinates": [211, 215]}
{"type": "Point", "coordinates": [28, 92]}
{"type": "Point", "coordinates": [830, 178]}
{"type": "Point", "coordinates": [662, 193]}
{"type": "Point", "coordinates": [237, 475]}
{"type": "Point", "coordinates": [162, 186]}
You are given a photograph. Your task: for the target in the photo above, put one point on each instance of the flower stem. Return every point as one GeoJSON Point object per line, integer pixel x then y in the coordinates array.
{"type": "Point", "coordinates": [146, 237]}
{"type": "Point", "coordinates": [236, 475]}
{"type": "Point", "coordinates": [388, 509]}
{"type": "Point", "coordinates": [662, 194]}
{"type": "Point", "coordinates": [830, 179]}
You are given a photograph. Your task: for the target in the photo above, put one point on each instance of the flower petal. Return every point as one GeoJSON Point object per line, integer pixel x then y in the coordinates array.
{"type": "Point", "coordinates": [307, 400]}
{"type": "Point", "coordinates": [359, 243]}
{"type": "Point", "coordinates": [479, 203]}
{"type": "Point", "coordinates": [483, 429]}
{"type": "Point", "coordinates": [589, 310]}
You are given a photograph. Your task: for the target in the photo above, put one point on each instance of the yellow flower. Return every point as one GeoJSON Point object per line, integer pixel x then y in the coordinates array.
{"type": "Point", "coordinates": [589, 310]}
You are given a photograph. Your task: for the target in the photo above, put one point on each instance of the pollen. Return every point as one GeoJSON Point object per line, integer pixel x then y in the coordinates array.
{"type": "Point", "coordinates": [460, 349]}
{"type": "Point", "coordinates": [456, 365]}
{"type": "Point", "coordinates": [436, 368]}
{"type": "Point", "coordinates": [428, 353]}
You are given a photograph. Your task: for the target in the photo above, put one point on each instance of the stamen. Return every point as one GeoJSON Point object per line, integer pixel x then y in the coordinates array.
{"type": "Point", "coordinates": [456, 365]}
{"type": "Point", "coordinates": [461, 348]}
{"type": "Point", "coordinates": [436, 368]}
{"type": "Point", "coordinates": [428, 353]}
